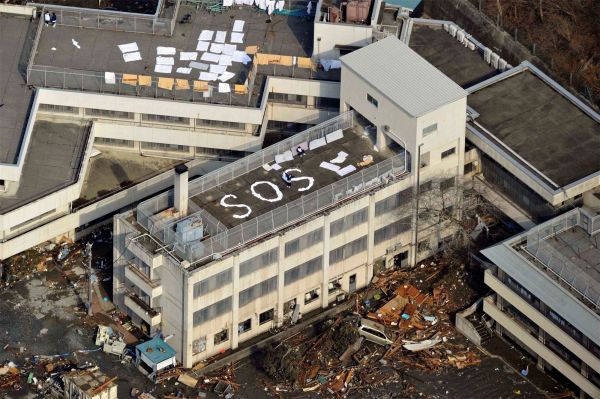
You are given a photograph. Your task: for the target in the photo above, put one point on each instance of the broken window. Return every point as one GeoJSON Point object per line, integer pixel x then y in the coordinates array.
{"type": "Point", "coordinates": [244, 326]}
{"type": "Point", "coordinates": [221, 336]}
{"type": "Point", "coordinates": [199, 345]}
{"type": "Point", "coordinates": [311, 296]}
{"type": "Point", "coordinates": [335, 285]}
{"type": "Point", "coordinates": [266, 316]}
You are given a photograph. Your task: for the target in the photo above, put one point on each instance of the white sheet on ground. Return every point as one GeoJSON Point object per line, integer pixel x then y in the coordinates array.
{"type": "Point", "coordinates": [210, 57]}
{"type": "Point", "coordinates": [225, 76]}
{"type": "Point", "coordinates": [317, 143]}
{"type": "Point", "coordinates": [229, 49]}
{"type": "Point", "coordinates": [166, 50]}
{"type": "Point", "coordinates": [262, 4]}
{"type": "Point", "coordinates": [188, 56]}
{"type": "Point", "coordinates": [220, 36]}
{"type": "Point", "coordinates": [338, 134]}
{"type": "Point", "coordinates": [184, 70]}
{"type": "Point", "coordinates": [129, 57]}
{"type": "Point", "coordinates": [348, 169]}
{"type": "Point", "coordinates": [75, 43]}
{"type": "Point", "coordinates": [329, 166]}
{"type": "Point", "coordinates": [238, 25]}
{"type": "Point", "coordinates": [227, 3]}
{"type": "Point", "coordinates": [208, 77]}
{"type": "Point", "coordinates": [225, 60]}
{"type": "Point", "coordinates": [237, 37]}
{"type": "Point", "coordinates": [341, 157]}
{"type": "Point", "coordinates": [216, 48]}
{"type": "Point", "coordinates": [163, 68]}
{"type": "Point", "coordinates": [279, 5]}
{"type": "Point", "coordinates": [331, 64]}
{"type": "Point", "coordinates": [267, 167]}
{"type": "Point", "coordinates": [110, 78]}
{"type": "Point", "coordinates": [165, 61]}
{"type": "Point", "coordinates": [206, 35]}
{"type": "Point", "coordinates": [276, 166]}
{"type": "Point", "coordinates": [202, 46]}
{"type": "Point", "coordinates": [224, 88]}
{"type": "Point", "coordinates": [217, 68]}
{"type": "Point", "coordinates": [240, 56]}
{"type": "Point", "coordinates": [285, 157]}
{"type": "Point", "coordinates": [128, 47]}
{"type": "Point", "coordinates": [199, 65]}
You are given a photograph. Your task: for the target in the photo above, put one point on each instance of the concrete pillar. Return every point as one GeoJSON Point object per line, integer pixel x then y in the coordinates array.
{"type": "Point", "coordinates": [370, 238]}
{"type": "Point", "coordinates": [187, 318]}
{"type": "Point", "coordinates": [326, 249]}
{"type": "Point", "coordinates": [235, 301]}
{"type": "Point", "coordinates": [542, 339]}
{"type": "Point", "coordinates": [280, 280]}
{"type": "Point", "coordinates": [381, 140]}
{"type": "Point", "coordinates": [181, 189]}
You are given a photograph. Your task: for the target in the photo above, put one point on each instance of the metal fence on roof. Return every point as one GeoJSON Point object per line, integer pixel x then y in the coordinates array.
{"type": "Point", "coordinates": [564, 268]}
{"type": "Point", "coordinates": [72, 79]}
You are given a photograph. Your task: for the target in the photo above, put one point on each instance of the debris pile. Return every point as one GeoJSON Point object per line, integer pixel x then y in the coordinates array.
{"type": "Point", "coordinates": [10, 377]}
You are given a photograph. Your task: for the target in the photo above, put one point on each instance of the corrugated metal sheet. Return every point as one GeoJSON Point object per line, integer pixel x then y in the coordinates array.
{"type": "Point", "coordinates": [403, 76]}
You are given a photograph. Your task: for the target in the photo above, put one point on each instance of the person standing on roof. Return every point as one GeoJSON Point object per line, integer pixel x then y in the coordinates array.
{"type": "Point", "coordinates": [287, 178]}
{"type": "Point", "coordinates": [46, 18]}
{"type": "Point", "coordinates": [53, 20]}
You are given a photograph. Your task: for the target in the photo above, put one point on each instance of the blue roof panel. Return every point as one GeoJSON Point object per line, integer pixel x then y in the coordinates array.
{"type": "Point", "coordinates": [156, 350]}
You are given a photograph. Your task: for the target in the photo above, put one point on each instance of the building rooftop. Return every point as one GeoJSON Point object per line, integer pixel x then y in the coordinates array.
{"type": "Point", "coordinates": [559, 262]}
{"type": "Point", "coordinates": [15, 97]}
{"type": "Point", "coordinates": [540, 125]}
{"type": "Point", "coordinates": [99, 51]}
{"type": "Point", "coordinates": [156, 350]}
{"type": "Point", "coordinates": [89, 381]}
{"type": "Point", "coordinates": [403, 76]}
{"type": "Point", "coordinates": [354, 143]}
{"type": "Point", "coordinates": [464, 66]}
{"type": "Point", "coordinates": [53, 161]}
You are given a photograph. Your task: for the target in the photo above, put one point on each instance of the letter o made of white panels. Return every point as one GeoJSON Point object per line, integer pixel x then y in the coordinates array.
{"type": "Point", "coordinates": [278, 193]}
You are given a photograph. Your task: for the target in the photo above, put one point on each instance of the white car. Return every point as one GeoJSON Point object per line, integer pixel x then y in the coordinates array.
{"type": "Point", "coordinates": [375, 332]}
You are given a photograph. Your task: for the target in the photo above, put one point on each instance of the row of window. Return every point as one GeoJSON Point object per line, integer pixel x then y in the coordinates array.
{"type": "Point", "coordinates": [348, 250]}
{"type": "Point", "coordinates": [305, 241]}
{"type": "Point", "coordinates": [392, 230]}
{"type": "Point", "coordinates": [303, 270]}
{"type": "Point", "coordinates": [213, 283]}
{"type": "Point", "coordinates": [340, 225]}
{"type": "Point", "coordinates": [257, 291]}
{"type": "Point", "coordinates": [258, 262]}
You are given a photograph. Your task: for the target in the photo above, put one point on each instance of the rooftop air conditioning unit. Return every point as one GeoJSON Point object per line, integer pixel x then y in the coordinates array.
{"type": "Point", "coordinates": [452, 30]}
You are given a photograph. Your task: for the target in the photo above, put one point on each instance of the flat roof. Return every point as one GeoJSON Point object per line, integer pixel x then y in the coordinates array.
{"type": "Point", "coordinates": [465, 67]}
{"type": "Point", "coordinates": [354, 143]}
{"type": "Point", "coordinates": [53, 161]}
{"type": "Point", "coordinates": [402, 75]}
{"type": "Point", "coordinates": [99, 51]}
{"type": "Point", "coordinates": [542, 126]}
{"type": "Point", "coordinates": [156, 350]}
{"type": "Point", "coordinates": [15, 97]}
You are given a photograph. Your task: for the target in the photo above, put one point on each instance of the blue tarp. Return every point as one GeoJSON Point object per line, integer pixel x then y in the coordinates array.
{"type": "Point", "coordinates": [410, 4]}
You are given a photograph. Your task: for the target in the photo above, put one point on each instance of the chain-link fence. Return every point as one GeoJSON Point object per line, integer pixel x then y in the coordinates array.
{"type": "Point", "coordinates": [538, 245]}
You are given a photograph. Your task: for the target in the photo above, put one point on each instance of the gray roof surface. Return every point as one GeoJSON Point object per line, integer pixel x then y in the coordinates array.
{"type": "Point", "coordinates": [52, 162]}
{"type": "Point", "coordinates": [14, 94]}
{"type": "Point", "coordinates": [546, 289]}
{"type": "Point", "coordinates": [540, 125]}
{"type": "Point", "coordinates": [403, 76]}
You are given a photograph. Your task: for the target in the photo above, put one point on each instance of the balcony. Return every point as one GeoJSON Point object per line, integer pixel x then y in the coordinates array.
{"type": "Point", "coordinates": [145, 249]}
{"type": "Point", "coordinates": [142, 309]}
{"type": "Point", "coordinates": [151, 287]}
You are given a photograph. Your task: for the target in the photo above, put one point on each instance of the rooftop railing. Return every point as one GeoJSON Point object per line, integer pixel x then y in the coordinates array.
{"type": "Point", "coordinates": [559, 264]}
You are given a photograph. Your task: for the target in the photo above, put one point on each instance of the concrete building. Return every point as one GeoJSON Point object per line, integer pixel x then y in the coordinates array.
{"type": "Point", "coordinates": [546, 284]}
{"type": "Point", "coordinates": [225, 257]}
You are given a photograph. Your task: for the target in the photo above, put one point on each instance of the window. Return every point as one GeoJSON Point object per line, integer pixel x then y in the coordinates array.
{"type": "Point", "coordinates": [423, 246]}
{"type": "Point", "coordinates": [427, 186]}
{"type": "Point", "coordinates": [372, 100]}
{"type": "Point", "coordinates": [212, 283]}
{"type": "Point", "coordinates": [392, 230]}
{"type": "Point", "coordinates": [303, 242]}
{"type": "Point", "coordinates": [108, 114]}
{"type": "Point", "coordinates": [429, 130]}
{"type": "Point", "coordinates": [164, 147]}
{"type": "Point", "coordinates": [212, 311]}
{"type": "Point", "coordinates": [470, 167]}
{"type": "Point", "coordinates": [346, 251]}
{"type": "Point", "coordinates": [257, 291]}
{"type": "Point", "coordinates": [221, 336]}
{"type": "Point", "coordinates": [58, 108]}
{"type": "Point", "coordinates": [334, 286]}
{"type": "Point", "coordinates": [227, 125]}
{"type": "Point", "coordinates": [199, 345]}
{"type": "Point", "coordinates": [244, 326]}
{"type": "Point", "coordinates": [219, 153]}
{"type": "Point", "coordinates": [287, 98]}
{"type": "Point", "coordinates": [393, 202]}
{"type": "Point", "coordinates": [301, 271]}
{"type": "Point", "coordinates": [258, 262]}
{"type": "Point", "coordinates": [165, 119]}
{"type": "Point", "coordinates": [448, 152]}
{"type": "Point", "coordinates": [347, 222]}
{"type": "Point", "coordinates": [266, 316]}
{"type": "Point", "coordinates": [447, 184]}
{"type": "Point", "coordinates": [327, 103]}
{"type": "Point", "coordinates": [311, 296]}
{"type": "Point", "coordinates": [114, 142]}
{"type": "Point", "coordinates": [425, 159]}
